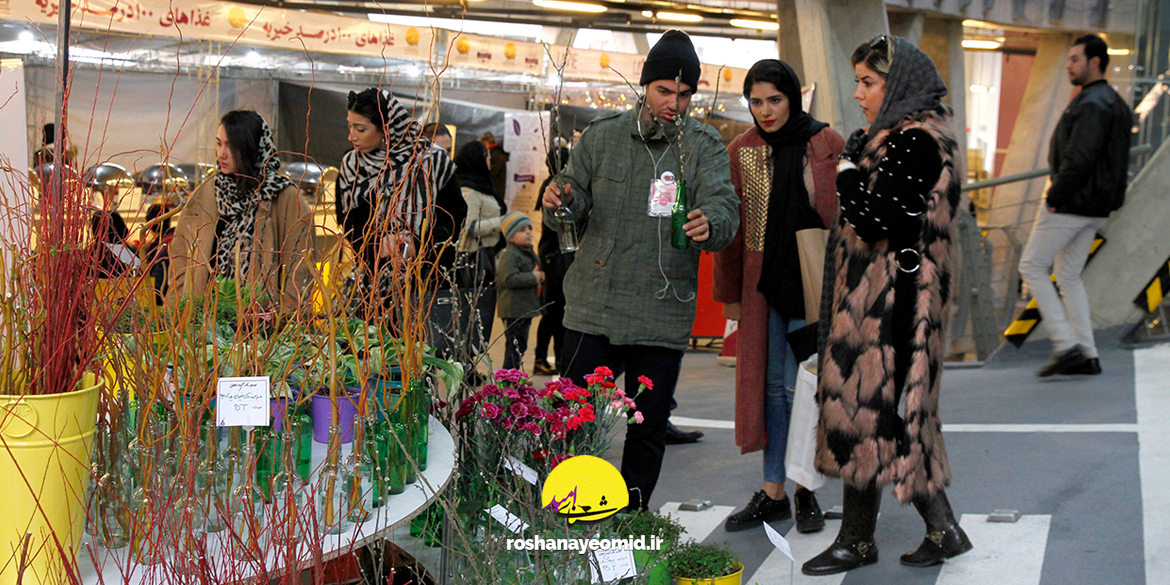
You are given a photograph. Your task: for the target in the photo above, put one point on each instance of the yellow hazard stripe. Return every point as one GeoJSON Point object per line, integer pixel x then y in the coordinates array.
{"type": "Point", "coordinates": [1154, 294]}
{"type": "Point", "coordinates": [1031, 305]}
{"type": "Point", "coordinates": [1021, 327]}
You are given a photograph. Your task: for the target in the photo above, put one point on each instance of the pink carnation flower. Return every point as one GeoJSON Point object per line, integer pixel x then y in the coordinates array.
{"type": "Point", "coordinates": [638, 418]}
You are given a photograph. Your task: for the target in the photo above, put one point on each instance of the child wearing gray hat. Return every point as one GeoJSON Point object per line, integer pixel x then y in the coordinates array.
{"type": "Point", "coordinates": [518, 278]}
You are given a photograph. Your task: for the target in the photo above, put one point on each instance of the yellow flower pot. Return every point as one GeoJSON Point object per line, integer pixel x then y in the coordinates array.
{"type": "Point", "coordinates": [735, 578]}
{"type": "Point", "coordinates": [45, 446]}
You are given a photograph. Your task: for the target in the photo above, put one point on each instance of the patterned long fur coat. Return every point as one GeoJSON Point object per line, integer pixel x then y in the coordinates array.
{"type": "Point", "coordinates": [856, 390]}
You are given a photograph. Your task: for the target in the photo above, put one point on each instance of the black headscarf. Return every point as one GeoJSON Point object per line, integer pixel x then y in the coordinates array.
{"type": "Point", "coordinates": [788, 207]}
{"type": "Point", "coordinates": [472, 171]}
{"type": "Point", "coordinates": [912, 85]}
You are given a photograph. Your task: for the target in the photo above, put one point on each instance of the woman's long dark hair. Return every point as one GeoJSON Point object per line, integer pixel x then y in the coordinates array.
{"type": "Point", "coordinates": [244, 129]}
{"type": "Point", "coordinates": [369, 104]}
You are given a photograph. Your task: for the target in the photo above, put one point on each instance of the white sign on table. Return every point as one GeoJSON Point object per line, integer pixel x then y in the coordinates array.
{"type": "Point", "coordinates": [613, 565]}
{"type": "Point", "coordinates": [508, 519]}
{"type": "Point", "coordinates": [242, 402]}
{"type": "Point", "coordinates": [779, 541]}
{"type": "Point", "coordinates": [521, 470]}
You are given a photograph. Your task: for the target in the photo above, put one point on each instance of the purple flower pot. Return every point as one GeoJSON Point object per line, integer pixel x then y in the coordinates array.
{"type": "Point", "coordinates": [347, 410]}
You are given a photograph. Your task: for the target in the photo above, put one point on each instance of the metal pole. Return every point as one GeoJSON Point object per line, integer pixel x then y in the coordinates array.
{"type": "Point", "coordinates": [57, 189]}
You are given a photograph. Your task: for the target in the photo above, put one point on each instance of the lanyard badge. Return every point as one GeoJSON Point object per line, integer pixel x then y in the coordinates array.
{"type": "Point", "coordinates": [663, 194]}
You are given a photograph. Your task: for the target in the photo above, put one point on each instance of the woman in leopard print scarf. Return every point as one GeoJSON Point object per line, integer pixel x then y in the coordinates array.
{"type": "Point", "coordinates": [248, 221]}
{"type": "Point", "coordinates": [249, 173]}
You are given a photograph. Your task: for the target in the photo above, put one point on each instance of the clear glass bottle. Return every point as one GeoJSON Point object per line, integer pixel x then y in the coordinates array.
{"type": "Point", "coordinates": [358, 478]}
{"type": "Point", "coordinates": [566, 229]}
{"type": "Point", "coordinates": [332, 497]}
{"type": "Point", "coordinates": [212, 480]}
{"type": "Point", "coordinates": [247, 504]}
{"type": "Point", "coordinates": [288, 494]}
{"type": "Point", "coordinates": [374, 435]}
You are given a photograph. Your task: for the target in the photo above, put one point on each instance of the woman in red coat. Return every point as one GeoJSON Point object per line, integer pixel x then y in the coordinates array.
{"type": "Point", "coordinates": [784, 170]}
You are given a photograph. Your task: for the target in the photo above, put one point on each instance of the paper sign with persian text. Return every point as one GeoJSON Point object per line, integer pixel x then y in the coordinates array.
{"type": "Point", "coordinates": [728, 80]}
{"type": "Point", "coordinates": [484, 52]}
{"type": "Point", "coordinates": [599, 65]}
{"type": "Point", "coordinates": [246, 24]}
{"type": "Point", "coordinates": [242, 402]}
{"type": "Point", "coordinates": [609, 566]}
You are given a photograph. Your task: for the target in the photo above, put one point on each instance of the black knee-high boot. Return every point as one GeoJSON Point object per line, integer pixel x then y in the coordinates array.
{"type": "Point", "coordinates": [944, 538]}
{"type": "Point", "coordinates": [854, 546]}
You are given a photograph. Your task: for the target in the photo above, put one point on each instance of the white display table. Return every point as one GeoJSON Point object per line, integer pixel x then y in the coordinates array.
{"type": "Point", "coordinates": [100, 565]}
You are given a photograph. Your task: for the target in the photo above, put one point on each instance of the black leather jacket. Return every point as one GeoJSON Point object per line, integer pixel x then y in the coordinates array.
{"type": "Point", "coordinates": [1089, 153]}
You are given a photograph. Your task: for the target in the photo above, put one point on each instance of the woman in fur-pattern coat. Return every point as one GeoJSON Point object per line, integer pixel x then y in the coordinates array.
{"type": "Point", "coordinates": [883, 314]}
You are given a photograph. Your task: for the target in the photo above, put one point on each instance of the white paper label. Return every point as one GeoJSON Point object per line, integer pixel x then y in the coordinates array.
{"type": "Point", "coordinates": [614, 565]}
{"type": "Point", "coordinates": [242, 402]}
{"type": "Point", "coordinates": [779, 541]}
{"type": "Point", "coordinates": [508, 519]}
{"type": "Point", "coordinates": [525, 472]}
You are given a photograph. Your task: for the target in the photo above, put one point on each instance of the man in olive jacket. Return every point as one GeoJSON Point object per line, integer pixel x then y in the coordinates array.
{"type": "Point", "coordinates": [1089, 156]}
{"type": "Point", "coordinates": [630, 296]}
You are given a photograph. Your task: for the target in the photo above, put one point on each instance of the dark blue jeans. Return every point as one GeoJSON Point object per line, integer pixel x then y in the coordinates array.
{"type": "Point", "coordinates": [515, 341]}
{"type": "Point", "coordinates": [645, 442]}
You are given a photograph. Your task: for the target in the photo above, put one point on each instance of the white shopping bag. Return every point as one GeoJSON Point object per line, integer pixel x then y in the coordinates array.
{"type": "Point", "coordinates": [802, 429]}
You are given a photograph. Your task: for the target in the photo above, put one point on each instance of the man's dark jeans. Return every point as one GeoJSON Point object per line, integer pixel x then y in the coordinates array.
{"type": "Point", "coordinates": [645, 442]}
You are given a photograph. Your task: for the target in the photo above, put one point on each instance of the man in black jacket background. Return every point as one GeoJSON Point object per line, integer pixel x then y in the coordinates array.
{"type": "Point", "coordinates": [1089, 156]}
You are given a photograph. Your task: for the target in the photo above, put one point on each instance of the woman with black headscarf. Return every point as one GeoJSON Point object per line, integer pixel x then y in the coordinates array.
{"type": "Point", "coordinates": [784, 170]}
{"type": "Point", "coordinates": [481, 236]}
{"type": "Point", "coordinates": [397, 196]}
{"type": "Point", "coordinates": [247, 221]}
{"type": "Point", "coordinates": [885, 308]}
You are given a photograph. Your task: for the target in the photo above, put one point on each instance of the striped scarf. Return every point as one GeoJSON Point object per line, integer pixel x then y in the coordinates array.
{"type": "Point", "coordinates": [402, 177]}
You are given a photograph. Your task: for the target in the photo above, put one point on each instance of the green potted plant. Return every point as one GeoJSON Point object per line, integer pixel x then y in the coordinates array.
{"type": "Point", "coordinates": [704, 564]}
{"type": "Point", "coordinates": [650, 562]}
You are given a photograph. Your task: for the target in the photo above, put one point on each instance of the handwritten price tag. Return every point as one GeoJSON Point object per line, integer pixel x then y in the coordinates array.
{"type": "Point", "coordinates": [242, 402]}
{"type": "Point", "coordinates": [613, 565]}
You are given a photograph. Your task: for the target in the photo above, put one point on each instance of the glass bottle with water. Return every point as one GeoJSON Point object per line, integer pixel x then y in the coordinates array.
{"type": "Point", "coordinates": [567, 229]}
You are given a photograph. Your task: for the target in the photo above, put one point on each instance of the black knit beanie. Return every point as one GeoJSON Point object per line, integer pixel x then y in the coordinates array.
{"type": "Point", "coordinates": [673, 53]}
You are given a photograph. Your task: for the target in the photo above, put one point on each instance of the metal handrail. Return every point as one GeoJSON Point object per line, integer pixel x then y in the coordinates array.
{"type": "Point", "coordinates": [1135, 151]}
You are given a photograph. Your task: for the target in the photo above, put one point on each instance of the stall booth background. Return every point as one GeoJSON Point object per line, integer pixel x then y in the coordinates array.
{"type": "Point", "coordinates": [138, 119]}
